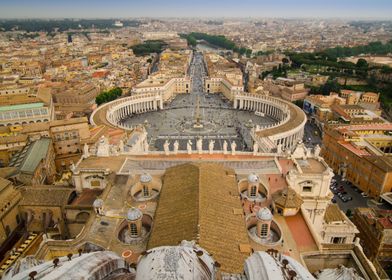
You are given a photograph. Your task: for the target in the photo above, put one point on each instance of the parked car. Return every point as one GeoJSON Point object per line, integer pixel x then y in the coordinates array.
{"type": "Point", "coordinates": [339, 189]}
{"type": "Point", "coordinates": [349, 197]}
{"type": "Point", "coordinates": [364, 194]}
{"type": "Point", "coordinates": [333, 200]}
{"type": "Point", "coordinates": [343, 198]}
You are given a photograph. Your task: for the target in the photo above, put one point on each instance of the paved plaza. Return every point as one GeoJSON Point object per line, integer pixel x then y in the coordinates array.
{"type": "Point", "coordinates": [219, 120]}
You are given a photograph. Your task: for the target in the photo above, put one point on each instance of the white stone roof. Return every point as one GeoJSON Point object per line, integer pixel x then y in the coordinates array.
{"type": "Point", "coordinates": [186, 261]}
{"type": "Point", "coordinates": [253, 178]}
{"type": "Point", "coordinates": [264, 214]}
{"type": "Point", "coordinates": [95, 265]}
{"type": "Point", "coordinates": [134, 214]}
{"type": "Point", "coordinates": [340, 273]}
{"type": "Point", "coordinates": [261, 265]}
{"type": "Point", "coordinates": [98, 203]}
{"type": "Point", "coordinates": [145, 178]}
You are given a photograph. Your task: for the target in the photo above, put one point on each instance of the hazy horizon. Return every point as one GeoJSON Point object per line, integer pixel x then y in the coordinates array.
{"type": "Point", "coordinates": [338, 9]}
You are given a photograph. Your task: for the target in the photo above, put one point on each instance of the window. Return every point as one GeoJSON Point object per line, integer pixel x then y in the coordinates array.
{"type": "Point", "coordinates": [95, 183]}
{"type": "Point", "coordinates": [253, 191]}
{"type": "Point", "coordinates": [338, 240]}
{"type": "Point", "coordinates": [264, 230]}
{"type": "Point", "coordinates": [133, 230]}
{"type": "Point", "coordinates": [145, 191]}
{"type": "Point", "coordinates": [307, 188]}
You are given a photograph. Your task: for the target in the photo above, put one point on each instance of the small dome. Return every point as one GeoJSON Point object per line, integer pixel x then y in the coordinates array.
{"type": "Point", "coordinates": [145, 178]}
{"type": "Point", "coordinates": [98, 203]}
{"type": "Point", "coordinates": [253, 178]}
{"type": "Point", "coordinates": [134, 214]}
{"type": "Point", "coordinates": [264, 214]}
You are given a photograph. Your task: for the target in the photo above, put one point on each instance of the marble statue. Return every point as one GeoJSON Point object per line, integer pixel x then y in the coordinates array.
{"type": "Point", "coordinates": [199, 145]}
{"type": "Point", "coordinates": [317, 150]}
{"type": "Point", "coordinates": [103, 149]}
{"type": "Point", "coordinates": [189, 146]}
{"type": "Point", "coordinates": [166, 147]}
{"type": "Point", "coordinates": [255, 148]}
{"type": "Point", "coordinates": [233, 147]}
{"type": "Point", "coordinates": [279, 150]}
{"type": "Point", "coordinates": [146, 146]}
{"type": "Point", "coordinates": [225, 147]}
{"type": "Point", "coordinates": [121, 146]}
{"type": "Point", "coordinates": [211, 145]}
{"type": "Point", "coordinates": [175, 147]}
{"type": "Point", "coordinates": [308, 153]}
{"type": "Point", "coordinates": [86, 152]}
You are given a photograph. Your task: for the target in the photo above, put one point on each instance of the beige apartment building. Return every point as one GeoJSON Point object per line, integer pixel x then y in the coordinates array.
{"type": "Point", "coordinates": [17, 109]}
{"type": "Point", "coordinates": [361, 154]}
{"type": "Point", "coordinates": [9, 214]}
{"type": "Point", "coordinates": [223, 76]}
{"type": "Point", "coordinates": [68, 139]}
{"type": "Point", "coordinates": [79, 93]}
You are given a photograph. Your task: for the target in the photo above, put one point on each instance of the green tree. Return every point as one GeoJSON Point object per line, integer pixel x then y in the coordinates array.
{"type": "Point", "coordinates": [108, 96]}
{"type": "Point", "coordinates": [362, 63]}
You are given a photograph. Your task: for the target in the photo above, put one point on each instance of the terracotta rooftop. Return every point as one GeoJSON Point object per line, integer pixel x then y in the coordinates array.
{"type": "Point", "coordinates": [355, 150]}
{"type": "Point", "coordinates": [383, 126]}
{"type": "Point", "coordinates": [196, 204]}
{"type": "Point", "coordinates": [297, 117]}
{"type": "Point", "coordinates": [333, 214]}
{"type": "Point", "coordinates": [87, 197]}
{"type": "Point", "coordinates": [45, 196]}
{"type": "Point", "coordinates": [112, 163]}
{"type": "Point", "coordinates": [68, 121]}
{"type": "Point", "coordinates": [288, 198]}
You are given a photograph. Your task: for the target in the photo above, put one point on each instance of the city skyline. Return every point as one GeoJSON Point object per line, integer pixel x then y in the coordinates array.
{"type": "Point", "coordinates": [361, 9]}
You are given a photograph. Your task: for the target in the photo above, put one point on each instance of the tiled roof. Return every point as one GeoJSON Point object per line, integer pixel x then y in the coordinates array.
{"type": "Point", "coordinates": [196, 204]}
{"type": "Point", "coordinates": [45, 196]}
{"type": "Point", "coordinates": [358, 152]}
{"type": "Point", "coordinates": [288, 198]}
{"type": "Point", "coordinates": [333, 214]}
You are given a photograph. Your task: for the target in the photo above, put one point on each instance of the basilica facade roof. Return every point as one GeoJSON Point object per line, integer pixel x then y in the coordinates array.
{"type": "Point", "coordinates": [196, 203]}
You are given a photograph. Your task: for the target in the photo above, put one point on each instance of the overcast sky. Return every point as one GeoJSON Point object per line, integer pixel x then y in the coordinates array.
{"type": "Point", "coordinates": [195, 8]}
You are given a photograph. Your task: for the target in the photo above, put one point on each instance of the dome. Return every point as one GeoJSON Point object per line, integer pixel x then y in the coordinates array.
{"type": "Point", "coordinates": [145, 178]}
{"type": "Point", "coordinates": [264, 214]}
{"type": "Point", "coordinates": [98, 203]}
{"type": "Point", "coordinates": [95, 265]}
{"type": "Point", "coordinates": [134, 214]}
{"type": "Point", "coordinates": [253, 178]}
{"type": "Point", "coordinates": [21, 265]}
{"type": "Point", "coordinates": [185, 261]}
{"type": "Point", "coordinates": [261, 265]}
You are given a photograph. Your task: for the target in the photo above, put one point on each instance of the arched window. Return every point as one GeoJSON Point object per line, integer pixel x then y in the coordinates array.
{"type": "Point", "coordinates": [145, 191]}
{"type": "Point", "coordinates": [133, 230]}
{"type": "Point", "coordinates": [264, 230]}
{"type": "Point", "coordinates": [253, 191]}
